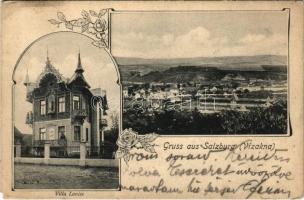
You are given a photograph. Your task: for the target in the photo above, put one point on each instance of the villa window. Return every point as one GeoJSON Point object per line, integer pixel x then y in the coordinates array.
{"type": "Point", "coordinates": [42, 107]}
{"type": "Point", "coordinates": [87, 134]}
{"type": "Point", "coordinates": [51, 104]}
{"type": "Point", "coordinates": [61, 132]}
{"type": "Point", "coordinates": [42, 134]}
{"type": "Point", "coordinates": [61, 104]}
{"type": "Point", "coordinates": [77, 133]}
{"type": "Point", "coordinates": [76, 102]}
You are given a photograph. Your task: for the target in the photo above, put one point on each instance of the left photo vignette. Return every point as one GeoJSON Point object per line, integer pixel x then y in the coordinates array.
{"type": "Point", "coordinates": [66, 115]}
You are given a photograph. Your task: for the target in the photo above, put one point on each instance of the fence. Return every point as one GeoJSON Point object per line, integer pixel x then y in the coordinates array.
{"type": "Point", "coordinates": [82, 154]}
{"type": "Point", "coordinates": [65, 152]}
{"type": "Point", "coordinates": [29, 151]}
{"type": "Point", "coordinates": [95, 152]}
{"type": "Point", "coordinates": [103, 151]}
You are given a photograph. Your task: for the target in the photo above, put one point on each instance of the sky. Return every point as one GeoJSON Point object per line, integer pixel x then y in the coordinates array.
{"type": "Point", "coordinates": [199, 34]}
{"type": "Point", "coordinates": [99, 70]}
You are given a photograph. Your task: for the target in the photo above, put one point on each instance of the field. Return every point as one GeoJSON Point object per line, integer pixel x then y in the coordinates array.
{"type": "Point", "coordinates": [28, 176]}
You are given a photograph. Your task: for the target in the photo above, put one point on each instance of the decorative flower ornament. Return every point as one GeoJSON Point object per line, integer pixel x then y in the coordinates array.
{"type": "Point", "coordinates": [130, 139]}
{"type": "Point", "coordinates": [91, 23]}
{"type": "Point", "coordinates": [100, 25]}
{"type": "Point", "coordinates": [127, 139]}
{"type": "Point", "coordinates": [92, 29]}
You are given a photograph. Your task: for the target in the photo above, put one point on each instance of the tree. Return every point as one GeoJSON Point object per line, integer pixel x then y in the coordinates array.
{"type": "Point", "coordinates": [114, 120]}
{"type": "Point", "coordinates": [258, 120]}
{"type": "Point", "coordinates": [111, 135]}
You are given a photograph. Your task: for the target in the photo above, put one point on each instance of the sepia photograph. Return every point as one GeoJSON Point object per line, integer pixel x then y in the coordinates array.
{"type": "Point", "coordinates": [67, 115]}
{"type": "Point", "coordinates": [152, 100]}
{"type": "Point", "coordinates": [225, 73]}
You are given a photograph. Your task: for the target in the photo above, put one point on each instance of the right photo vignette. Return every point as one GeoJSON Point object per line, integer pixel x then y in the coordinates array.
{"type": "Point", "coordinates": [225, 73]}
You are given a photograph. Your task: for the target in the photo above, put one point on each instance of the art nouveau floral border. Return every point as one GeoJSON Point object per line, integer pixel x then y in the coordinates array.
{"type": "Point", "coordinates": [129, 139]}
{"type": "Point", "coordinates": [91, 23]}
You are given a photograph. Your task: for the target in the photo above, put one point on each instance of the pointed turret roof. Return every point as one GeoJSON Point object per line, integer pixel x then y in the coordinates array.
{"type": "Point", "coordinates": [50, 69]}
{"type": "Point", "coordinates": [48, 65]}
{"type": "Point", "coordinates": [79, 68]}
{"type": "Point", "coordinates": [78, 75]}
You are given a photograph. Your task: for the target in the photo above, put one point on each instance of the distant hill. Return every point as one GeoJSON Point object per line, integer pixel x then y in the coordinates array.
{"type": "Point", "coordinates": [183, 74]}
{"type": "Point", "coordinates": [203, 68]}
{"type": "Point", "coordinates": [244, 60]}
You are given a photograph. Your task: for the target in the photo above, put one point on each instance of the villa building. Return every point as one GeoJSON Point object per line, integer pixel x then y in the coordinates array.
{"type": "Point", "coordinates": [65, 111]}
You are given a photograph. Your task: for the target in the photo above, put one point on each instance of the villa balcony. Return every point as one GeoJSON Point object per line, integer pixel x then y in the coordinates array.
{"type": "Point", "coordinates": [40, 143]}
{"type": "Point", "coordinates": [79, 113]}
{"type": "Point", "coordinates": [29, 118]}
{"type": "Point", "coordinates": [103, 122]}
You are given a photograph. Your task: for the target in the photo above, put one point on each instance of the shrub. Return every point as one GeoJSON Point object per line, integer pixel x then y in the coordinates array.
{"type": "Point", "coordinates": [259, 120]}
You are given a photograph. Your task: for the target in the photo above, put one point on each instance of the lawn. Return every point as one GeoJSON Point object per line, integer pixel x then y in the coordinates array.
{"type": "Point", "coordinates": [30, 176]}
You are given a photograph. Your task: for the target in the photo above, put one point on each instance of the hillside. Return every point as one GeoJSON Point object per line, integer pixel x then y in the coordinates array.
{"type": "Point", "coordinates": [183, 74]}
{"type": "Point", "coordinates": [227, 60]}
{"type": "Point", "coordinates": [201, 69]}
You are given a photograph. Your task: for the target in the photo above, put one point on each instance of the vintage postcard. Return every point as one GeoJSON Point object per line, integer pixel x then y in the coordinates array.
{"type": "Point", "coordinates": [152, 99]}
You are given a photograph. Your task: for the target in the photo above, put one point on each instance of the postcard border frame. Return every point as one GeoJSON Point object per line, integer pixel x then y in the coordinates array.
{"type": "Point", "coordinates": [109, 51]}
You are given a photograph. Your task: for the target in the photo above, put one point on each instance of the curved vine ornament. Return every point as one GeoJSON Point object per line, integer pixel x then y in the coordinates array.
{"type": "Point", "coordinates": [129, 139]}
{"type": "Point", "coordinates": [91, 23]}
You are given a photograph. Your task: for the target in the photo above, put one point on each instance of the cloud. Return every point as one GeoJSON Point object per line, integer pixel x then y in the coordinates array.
{"type": "Point", "coordinates": [167, 39]}
{"type": "Point", "coordinates": [264, 44]}
{"type": "Point", "coordinates": [252, 38]}
{"type": "Point", "coordinates": [199, 35]}
{"type": "Point", "coordinates": [198, 42]}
